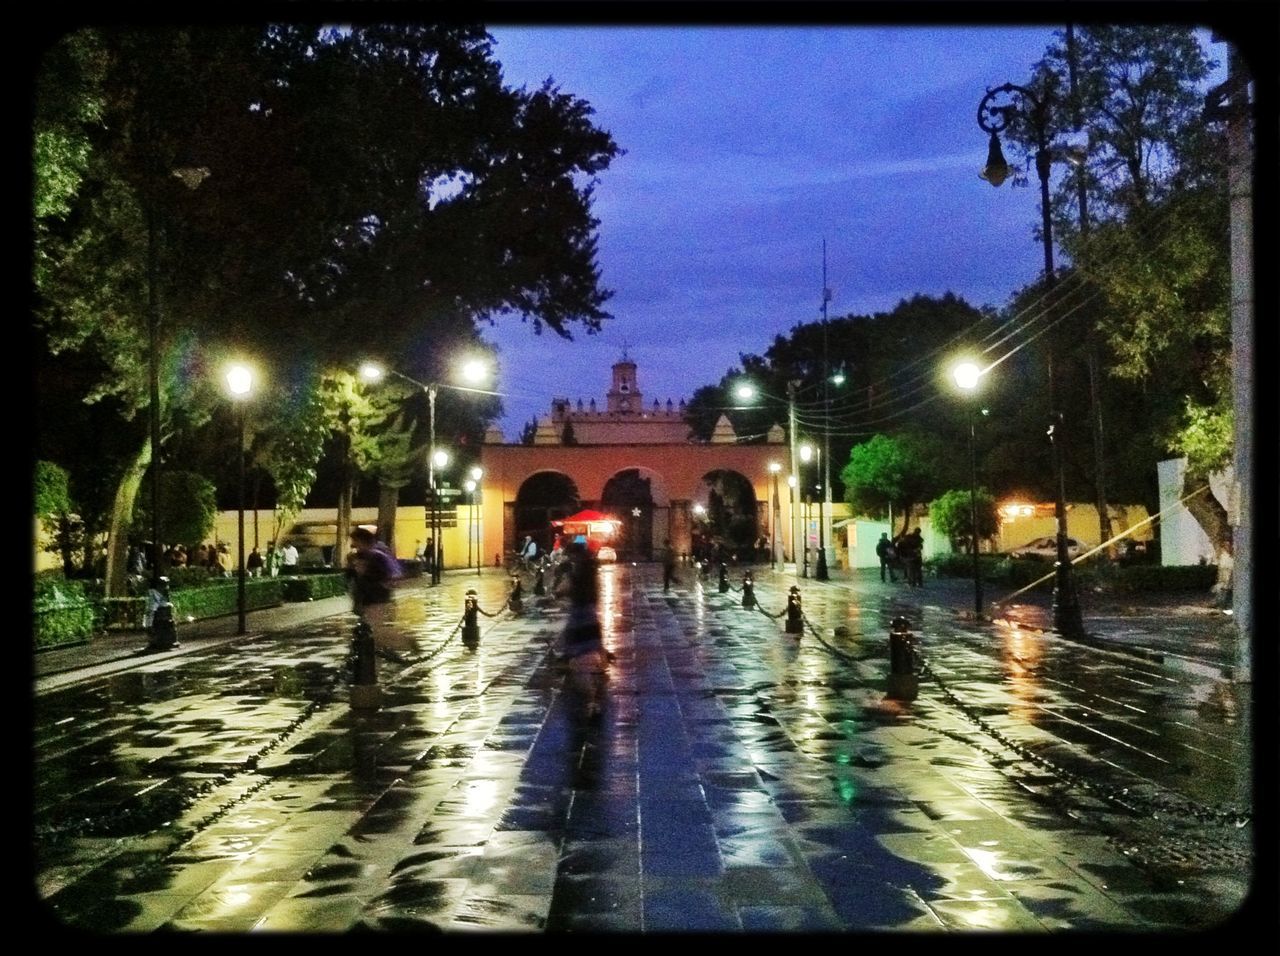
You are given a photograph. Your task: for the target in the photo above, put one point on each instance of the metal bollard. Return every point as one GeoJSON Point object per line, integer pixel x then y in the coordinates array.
{"type": "Point", "coordinates": [470, 627]}
{"type": "Point", "coordinates": [539, 586]}
{"type": "Point", "coordinates": [364, 691]}
{"type": "Point", "coordinates": [903, 682]}
{"type": "Point", "coordinates": [161, 624]}
{"type": "Point", "coordinates": [795, 622]}
{"type": "Point", "coordinates": [748, 591]}
{"type": "Point", "coordinates": [724, 578]}
{"type": "Point", "coordinates": [516, 600]}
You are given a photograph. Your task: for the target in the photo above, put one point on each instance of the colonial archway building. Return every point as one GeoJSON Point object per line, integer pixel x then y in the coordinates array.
{"type": "Point", "coordinates": [638, 463]}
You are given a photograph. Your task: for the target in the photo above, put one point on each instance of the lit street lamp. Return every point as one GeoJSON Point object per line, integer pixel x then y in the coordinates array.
{"type": "Point", "coordinates": [240, 384]}
{"type": "Point", "coordinates": [473, 371]}
{"type": "Point", "coordinates": [966, 376]}
{"type": "Point", "coordinates": [807, 454]}
{"type": "Point", "coordinates": [993, 118]}
{"type": "Point", "coordinates": [473, 485]}
{"type": "Point", "coordinates": [775, 515]}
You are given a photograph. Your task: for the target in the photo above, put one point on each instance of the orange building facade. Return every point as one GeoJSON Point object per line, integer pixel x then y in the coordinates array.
{"type": "Point", "coordinates": [636, 462]}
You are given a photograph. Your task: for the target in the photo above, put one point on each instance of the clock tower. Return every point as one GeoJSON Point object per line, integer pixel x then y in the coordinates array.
{"type": "Point", "coordinates": [624, 396]}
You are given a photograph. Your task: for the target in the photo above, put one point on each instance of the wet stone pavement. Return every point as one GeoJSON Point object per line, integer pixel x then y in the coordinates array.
{"type": "Point", "coordinates": [719, 776]}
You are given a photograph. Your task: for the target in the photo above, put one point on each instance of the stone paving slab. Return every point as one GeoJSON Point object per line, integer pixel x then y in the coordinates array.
{"type": "Point", "coordinates": [734, 780]}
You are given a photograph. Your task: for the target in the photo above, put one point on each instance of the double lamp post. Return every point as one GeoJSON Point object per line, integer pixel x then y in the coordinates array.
{"type": "Point", "coordinates": [474, 371]}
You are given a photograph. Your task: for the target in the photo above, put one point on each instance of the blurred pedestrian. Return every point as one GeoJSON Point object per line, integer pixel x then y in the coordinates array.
{"type": "Point", "coordinates": [668, 564]}
{"type": "Point", "coordinates": [253, 563]}
{"type": "Point", "coordinates": [582, 642]}
{"type": "Point", "coordinates": [911, 552]}
{"type": "Point", "coordinates": [371, 572]}
{"type": "Point", "coordinates": [289, 559]}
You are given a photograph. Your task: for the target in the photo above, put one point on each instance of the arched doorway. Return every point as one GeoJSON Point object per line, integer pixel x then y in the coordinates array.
{"type": "Point", "coordinates": [725, 519]}
{"type": "Point", "coordinates": [628, 496]}
{"type": "Point", "coordinates": [542, 498]}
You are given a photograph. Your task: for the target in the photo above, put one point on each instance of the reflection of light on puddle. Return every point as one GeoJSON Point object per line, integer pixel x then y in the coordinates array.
{"type": "Point", "coordinates": [480, 795]}
{"type": "Point", "coordinates": [988, 863]}
{"type": "Point", "coordinates": [234, 898]}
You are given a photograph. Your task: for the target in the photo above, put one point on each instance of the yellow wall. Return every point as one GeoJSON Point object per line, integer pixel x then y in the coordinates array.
{"type": "Point", "coordinates": [1082, 524]}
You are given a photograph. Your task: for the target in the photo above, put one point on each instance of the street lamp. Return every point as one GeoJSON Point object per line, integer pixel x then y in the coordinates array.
{"type": "Point", "coordinates": [795, 470]}
{"type": "Point", "coordinates": [472, 485]}
{"type": "Point", "coordinates": [776, 515]}
{"type": "Point", "coordinates": [240, 384]}
{"type": "Point", "coordinates": [993, 118]}
{"type": "Point", "coordinates": [966, 376]}
{"type": "Point", "coordinates": [807, 454]}
{"type": "Point", "coordinates": [473, 371]}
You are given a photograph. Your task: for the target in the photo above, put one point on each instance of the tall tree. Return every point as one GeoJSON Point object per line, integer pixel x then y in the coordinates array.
{"type": "Point", "coordinates": [321, 189]}
{"type": "Point", "coordinates": [1155, 186]}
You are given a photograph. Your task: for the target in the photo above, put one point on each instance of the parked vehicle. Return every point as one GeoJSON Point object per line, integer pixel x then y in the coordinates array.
{"type": "Point", "coordinates": [1046, 549]}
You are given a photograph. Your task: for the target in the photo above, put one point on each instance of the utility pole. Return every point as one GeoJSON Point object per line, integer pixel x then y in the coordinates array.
{"type": "Point", "coordinates": [824, 505]}
{"type": "Point", "coordinates": [1230, 102]}
{"type": "Point", "coordinates": [1091, 349]}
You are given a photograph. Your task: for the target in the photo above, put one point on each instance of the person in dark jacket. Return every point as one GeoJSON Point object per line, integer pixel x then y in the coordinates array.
{"type": "Point", "coordinates": [887, 555]}
{"type": "Point", "coordinates": [371, 572]}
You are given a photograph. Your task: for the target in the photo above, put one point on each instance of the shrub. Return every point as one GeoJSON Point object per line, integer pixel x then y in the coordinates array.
{"type": "Point", "coordinates": [1153, 577]}
{"type": "Point", "coordinates": [63, 615]}
{"type": "Point", "coordinates": [314, 587]}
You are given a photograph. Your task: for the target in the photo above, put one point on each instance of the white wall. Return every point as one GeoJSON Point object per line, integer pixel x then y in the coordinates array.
{"type": "Point", "coordinates": [1182, 540]}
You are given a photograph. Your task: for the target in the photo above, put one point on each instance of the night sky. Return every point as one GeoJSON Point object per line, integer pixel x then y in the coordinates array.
{"type": "Point", "coordinates": [747, 148]}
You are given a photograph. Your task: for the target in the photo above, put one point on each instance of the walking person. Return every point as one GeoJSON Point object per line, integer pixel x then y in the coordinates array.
{"type": "Point", "coordinates": [911, 551]}
{"type": "Point", "coordinates": [289, 559]}
{"type": "Point", "coordinates": [371, 571]}
{"type": "Point", "coordinates": [887, 555]}
{"type": "Point", "coordinates": [582, 642]}
{"type": "Point", "coordinates": [668, 565]}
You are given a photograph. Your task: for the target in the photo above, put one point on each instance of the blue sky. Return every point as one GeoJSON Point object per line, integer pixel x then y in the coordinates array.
{"type": "Point", "coordinates": [746, 148]}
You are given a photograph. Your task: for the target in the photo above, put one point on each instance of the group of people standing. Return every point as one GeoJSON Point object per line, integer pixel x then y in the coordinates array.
{"type": "Point", "coordinates": [904, 553]}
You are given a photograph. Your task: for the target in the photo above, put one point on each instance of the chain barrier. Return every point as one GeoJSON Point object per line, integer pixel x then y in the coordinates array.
{"type": "Point", "coordinates": [1153, 806]}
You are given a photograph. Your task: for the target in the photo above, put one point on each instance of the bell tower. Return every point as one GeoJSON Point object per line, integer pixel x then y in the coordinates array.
{"type": "Point", "coordinates": [624, 394]}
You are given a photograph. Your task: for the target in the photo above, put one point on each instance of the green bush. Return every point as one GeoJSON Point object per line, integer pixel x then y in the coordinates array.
{"type": "Point", "coordinates": [222, 597]}
{"type": "Point", "coordinates": [314, 587]}
{"type": "Point", "coordinates": [1153, 577]}
{"type": "Point", "coordinates": [63, 614]}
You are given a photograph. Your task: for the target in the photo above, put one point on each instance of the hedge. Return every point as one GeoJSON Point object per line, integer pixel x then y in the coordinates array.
{"type": "Point", "coordinates": [65, 613]}
{"type": "Point", "coordinates": [1015, 572]}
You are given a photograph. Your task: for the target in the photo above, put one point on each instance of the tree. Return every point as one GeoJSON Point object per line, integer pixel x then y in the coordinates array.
{"type": "Point", "coordinates": [1157, 246]}
{"type": "Point", "coordinates": [55, 511]}
{"type": "Point", "coordinates": [951, 514]}
{"type": "Point", "coordinates": [374, 183]}
{"type": "Point", "coordinates": [188, 505]}
{"type": "Point", "coordinates": [892, 471]}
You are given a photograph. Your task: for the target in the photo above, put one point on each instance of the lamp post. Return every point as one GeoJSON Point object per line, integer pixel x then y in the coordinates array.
{"type": "Point", "coordinates": [994, 118]}
{"type": "Point", "coordinates": [795, 471]}
{"type": "Point", "coordinates": [474, 371]}
{"type": "Point", "coordinates": [820, 572]}
{"type": "Point", "coordinates": [966, 376]}
{"type": "Point", "coordinates": [470, 486]}
{"type": "Point", "coordinates": [807, 454]}
{"type": "Point", "coordinates": [473, 486]}
{"type": "Point", "coordinates": [240, 384]}
{"type": "Point", "coordinates": [775, 515]}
